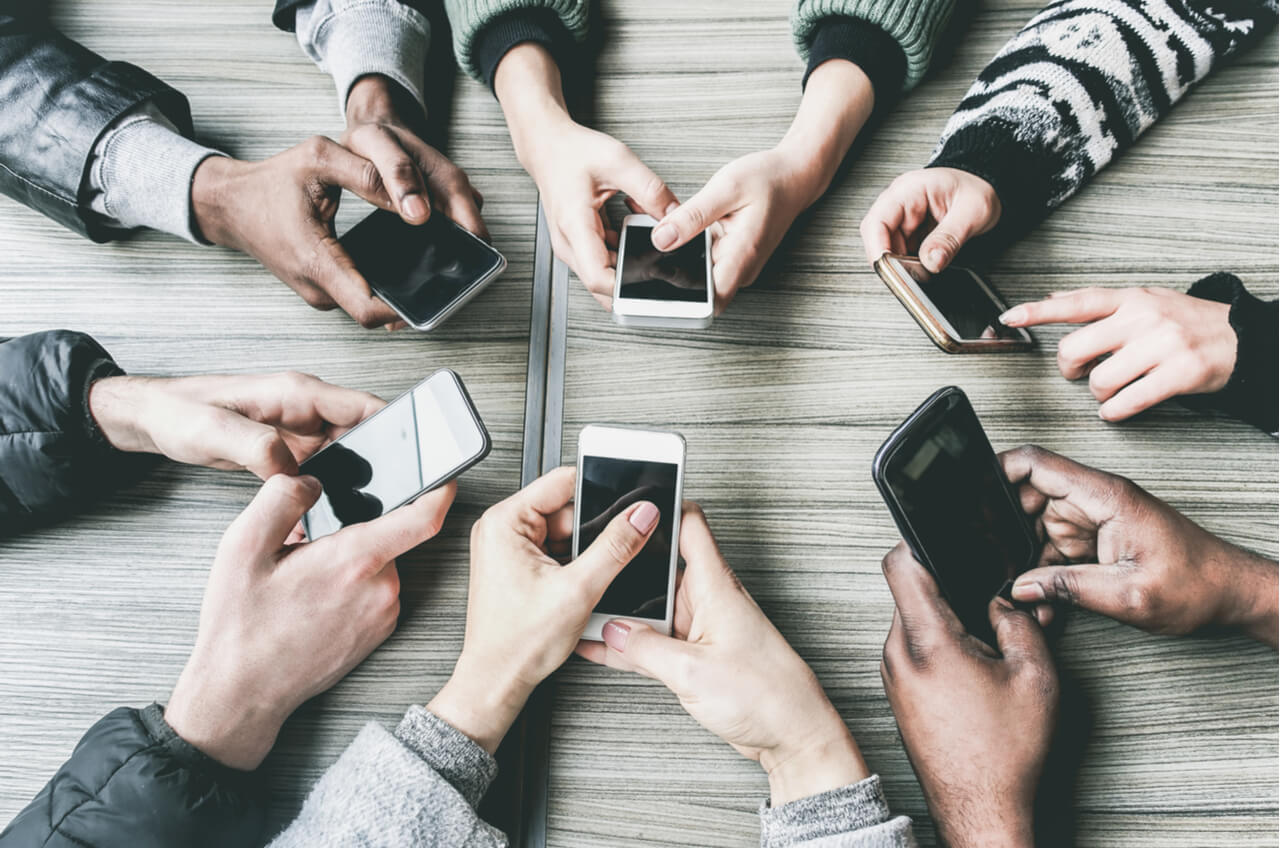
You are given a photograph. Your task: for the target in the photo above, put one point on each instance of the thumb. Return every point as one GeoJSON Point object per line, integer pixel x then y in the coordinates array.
{"type": "Point", "coordinates": [638, 647]}
{"type": "Point", "coordinates": [966, 217]}
{"type": "Point", "coordinates": [249, 444]}
{"type": "Point", "coordinates": [713, 202]}
{"type": "Point", "coordinates": [271, 516]}
{"type": "Point", "coordinates": [1099, 588]}
{"type": "Point", "coordinates": [620, 540]}
{"type": "Point", "coordinates": [1018, 634]}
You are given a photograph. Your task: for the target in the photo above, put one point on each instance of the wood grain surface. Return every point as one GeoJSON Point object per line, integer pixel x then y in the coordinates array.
{"type": "Point", "coordinates": [783, 401]}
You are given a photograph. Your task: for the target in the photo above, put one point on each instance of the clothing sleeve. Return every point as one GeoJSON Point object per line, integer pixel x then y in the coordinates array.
{"type": "Point", "coordinates": [853, 816]}
{"type": "Point", "coordinates": [59, 99]}
{"type": "Point", "coordinates": [1252, 394]}
{"type": "Point", "coordinates": [1078, 85]}
{"type": "Point", "coordinates": [53, 458]}
{"type": "Point", "coordinates": [133, 781]}
{"type": "Point", "coordinates": [418, 786]}
{"type": "Point", "coordinates": [485, 30]}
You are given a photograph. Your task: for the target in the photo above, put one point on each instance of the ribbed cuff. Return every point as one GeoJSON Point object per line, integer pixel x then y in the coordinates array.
{"type": "Point", "coordinates": [145, 171]}
{"type": "Point", "coordinates": [452, 754]}
{"type": "Point", "coordinates": [858, 807]}
{"type": "Point", "coordinates": [866, 45]}
{"type": "Point", "coordinates": [540, 26]}
{"type": "Point", "coordinates": [372, 37]}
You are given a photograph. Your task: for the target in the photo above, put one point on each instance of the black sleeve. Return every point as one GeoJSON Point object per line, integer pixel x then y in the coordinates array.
{"type": "Point", "coordinates": [540, 26]}
{"type": "Point", "coordinates": [866, 45]}
{"type": "Point", "coordinates": [133, 781]}
{"type": "Point", "coordinates": [1253, 392]}
{"type": "Point", "coordinates": [57, 99]}
{"type": "Point", "coordinates": [53, 458]}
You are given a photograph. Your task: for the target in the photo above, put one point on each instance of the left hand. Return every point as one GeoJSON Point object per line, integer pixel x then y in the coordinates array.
{"type": "Point", "coordinates": [977, 725]}
{"type": "Point", "coordinates": [1158, 343]}
{"type": "Point", "coordinates": [265, 423]}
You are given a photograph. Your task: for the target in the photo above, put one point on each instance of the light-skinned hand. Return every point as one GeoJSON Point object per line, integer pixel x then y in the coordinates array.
{"type": "Point", "coordinates": [1113, 548]}
{"type": "Point", "coordinates": [931, 212]}
{"type": "Point", "coordinates": [1158, 343]}
{"type": "Point", "coordinates": [281, 623]}
{"type": "Point", "coordinates": [264, 423]}
{"type": "Point", "coordinates": [737, 676]}
{"type": "Point", "coordinates": [977, 724]}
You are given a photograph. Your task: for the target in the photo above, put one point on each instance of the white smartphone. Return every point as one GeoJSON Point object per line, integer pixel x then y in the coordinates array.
{"type": "Point", "coordinates": [656, 289]}
{"type": "Point", "coordinates": [416, 443]}
{"type": "Point", "coordinates": [617, 467]}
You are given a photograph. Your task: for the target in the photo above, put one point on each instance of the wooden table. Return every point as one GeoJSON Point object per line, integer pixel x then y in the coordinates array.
{"type": "Point", "coordinates": [783, 402]}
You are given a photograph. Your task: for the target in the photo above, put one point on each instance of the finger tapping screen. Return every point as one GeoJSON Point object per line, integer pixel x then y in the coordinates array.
{"type": "Point", "coordinates": [609, 486]}
{"type": "Point", "coordinates": [949, 486]}
{"type": "Point", "coordinates": [410, 444]}
{"type": "Point", "coordinates": [962, 300]}
{"type": "Point", "coordinates": [650, 274]}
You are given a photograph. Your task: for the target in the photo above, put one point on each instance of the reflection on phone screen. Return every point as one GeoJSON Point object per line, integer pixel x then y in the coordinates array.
{"type": "Point", "coordinates": [609, 486]}
{"type": "Point", "coordinates": [956, 294]}
{"type": "Point", "coordinates": [650, 274]}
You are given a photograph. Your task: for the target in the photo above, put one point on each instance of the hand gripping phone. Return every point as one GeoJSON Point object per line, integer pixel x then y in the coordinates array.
{"type": "Point", "coordinates": [657, 289]}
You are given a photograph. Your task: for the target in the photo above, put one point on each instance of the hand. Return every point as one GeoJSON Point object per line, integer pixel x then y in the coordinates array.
{"type": "Point", "coordinates": [281, 622]}
{"type": "Point", "coordinates": [577, 169]}
{"type": "Point", "coordinates": [977, 725]}
{"type": "Point", "coordinates": [525, 611]}
{"type": "Point", "coordinates": [1138, 560]}
{"type": "Point", "coordinates": [280, 211]}
{"type": "Point", "coordinates": [266, 424]}
{"type": "Point", "coordinates": [1160, 343]}
{"type": "Point", "coordinates": [932, 212]}
{"type": "Point", "coordinates": [735, 673]}
{"type": "Point", "coordinates": [750, 203]}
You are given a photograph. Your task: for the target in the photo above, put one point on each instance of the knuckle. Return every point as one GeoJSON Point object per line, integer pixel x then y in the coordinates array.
{"type": "Point", "coordinates": [1066, 587]}
{"type": "Point", "coordinates": [1139, 599]}
{"type": "Point", "coordinates": [1042, 682]}
{"type": "Point", "coordinates": [403, 171]}
{"type": "Point", "coordinates": [316, 149]}
{"type": "Point", "coordinates": [686, 668]}
{"type": "Point", "coordinates": [264, 448]}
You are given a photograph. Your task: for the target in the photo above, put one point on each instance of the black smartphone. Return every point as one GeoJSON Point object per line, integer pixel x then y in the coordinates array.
{"type": "Point", "coordinates": [416, 443]}
{"type": "Point", "coordinates": [425, 272]}
{"type": "Point", "coordinates": [954, 506]}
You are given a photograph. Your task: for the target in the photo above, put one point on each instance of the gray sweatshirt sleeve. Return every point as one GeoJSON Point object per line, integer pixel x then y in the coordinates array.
{"type": "Point", "coordinates": [418, 786]}
{"type": "Point", "coordinates": [853, 816]}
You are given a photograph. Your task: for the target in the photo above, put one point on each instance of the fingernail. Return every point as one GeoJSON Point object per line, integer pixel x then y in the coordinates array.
{"type": "Point", "coordinates": [615, 635]}
{"type": "Point", "coordinates": [414, 206]}
{"type": "Point", "coordinates": [310, 482]}
{"type": "Point", "coordinates": [1016, 315]}
{"type": "Point", "coordinates": [644, 517]}
{"type": "Point", "coordinates": [937, 257]}
{"type": "Point", "coordinates": [1029, 591]}
{"type": "Point", "coordinates": [664, 236]}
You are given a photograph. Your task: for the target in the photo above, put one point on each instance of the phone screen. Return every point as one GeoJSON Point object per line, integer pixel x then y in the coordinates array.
{"type": "Point", "coordinates": [953, 495]}
{"type": "Point", "coordinates": [958, 296]}
{"type": "Point", "coordinates": [608, 487]}
{"type": "Point", "coordinates": [650, 274]}
{"type": "Point", "coordinates": [412, 444]}
{"type": "Point", "coordinates": [419, 270]}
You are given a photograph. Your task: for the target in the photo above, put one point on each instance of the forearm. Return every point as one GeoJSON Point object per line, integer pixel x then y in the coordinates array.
{"type": "Point", "coordinates": [836, 105]}
{"type": "Point", "coordinates": [528, 87]}
{"type": "Point", "coordinates": [1250, 591]}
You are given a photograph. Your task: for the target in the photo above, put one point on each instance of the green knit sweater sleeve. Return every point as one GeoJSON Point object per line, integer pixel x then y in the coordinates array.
{"type": "Point", "coordinates": [915, 25]}
{"type": "Point", "coordinates": [469, 18]}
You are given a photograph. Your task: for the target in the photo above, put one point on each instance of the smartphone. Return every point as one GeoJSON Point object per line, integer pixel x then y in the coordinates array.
{"type": "Point", "coordinates": [954, 506]}
{"type": "Point", "coordinates": [657, 289]}
{"type": "Point", "coordinates": [956, 307]}
{"type": "Point", "coordinates": [418, 442]}
{"type": "Point", "coordinates": [425, 272]}
{"type": "Point", "coordinates": [617, 467]}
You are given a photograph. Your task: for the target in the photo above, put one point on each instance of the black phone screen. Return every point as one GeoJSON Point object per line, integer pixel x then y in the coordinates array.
{"type": "Point", "coordinates": [419, 270]}
{"type": "Point", "coordinates": [957, 296]}
{"type": "Point", "coordinates": [609, 486]}
{"type": "Point", "coordinates": [650, 274]}
{"type": "Point", "coordinates": [952, 493]}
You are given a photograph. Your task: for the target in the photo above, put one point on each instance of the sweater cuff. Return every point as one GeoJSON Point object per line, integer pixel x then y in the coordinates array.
{"type": "Point", "coordinates": [859, 807]}
{"type": "Point", "coordinates": [453, 755]}
{"type": "Point", "coordinates": [191, 757]}
{"type": "Point", "coordinates": [866, 45]}
{"type": "Point", "coordinates": [1253, 392]}
{"type": "Point", "coordinates": [540, 26]}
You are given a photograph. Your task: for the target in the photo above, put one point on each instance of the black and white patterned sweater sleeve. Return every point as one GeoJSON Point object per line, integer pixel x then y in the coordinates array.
{"type": "Point", "coordinates": [1076, 87]}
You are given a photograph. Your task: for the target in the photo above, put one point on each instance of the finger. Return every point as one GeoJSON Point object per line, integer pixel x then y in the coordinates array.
{"type": "Point", "coordinates": [1100, 588]}
{"type": "Point", "coordinates": [247, 444]}
{"type": "Point", "coordinates": [620, 540]}
{"type": "Point", "coordinates": [925, 613]}
{"type": "Point", "coordinates": [337, 166]}
{"type": "Point", "coordinates": [381, 540]}
{"type": "Point", "coordinates": [269, 519]}
{"type": "Point", "coordinates": [459, 204]}
{"type": "Point", "coordinates": [716, 199]}
{"type": "Point", "coordinates": [332, 270]}
{"type": "Point", "coordinates": [642, 185]}
{"type": "Point", "coordinates": [560, 525]}
{"type": "Point", "coordinates": [585, 236]}
{"type": "Point", "coordinates": [879, 225]}
{"type": "Point", "coordinates": [397, 168]}
{"type": "Point", "coordinates": [1058, 478]}
{"type": "Point", "coordinates": [335, 405]}
{"type": "Point", "coordinates": [1079, 350]}
{"type": "Point", "coordinates": [967, 216]}
{"type": "Point", "coordinates": [1156, 387]}
{"type": "Point", "coordinates": [1123, 367]}
{"type": "Point", "coordinates": [1018, 634]}
{"type": "Point", "coordinates": [634, 646]}
{"type": "Point", "coordinates": [546, 495]}
{"type": "Point", "coordinates": [1044, 614]}
{"type": "Point", "coordinates": [1077, 307]}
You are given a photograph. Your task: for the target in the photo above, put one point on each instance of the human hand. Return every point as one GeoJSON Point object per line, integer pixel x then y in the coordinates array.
{"type": "Point", "coordinates": [1111, 547]}
{"type": "Point", "coordinates": [735, 673]}
{"type": "Point", "coordinates": [283, 622]}
{"type": "Point", "coordinates": [526, 611]}
{"type": "Point", "coordinates": [265, 423]}
{"type": "Point", "coordinates": [977, 724]}
{"type": "Point", "coordinates": [1161, 343]}
{"type": "Point", "coordinates": [932, 212]}
{"type": "Point", "coordinates": [577, 169]}
{"type": "Point", "coordinates": [280, 211]}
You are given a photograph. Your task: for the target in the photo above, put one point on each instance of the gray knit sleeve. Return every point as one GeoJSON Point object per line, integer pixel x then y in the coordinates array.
{"type": "Point", "coordinates": [853, 816]}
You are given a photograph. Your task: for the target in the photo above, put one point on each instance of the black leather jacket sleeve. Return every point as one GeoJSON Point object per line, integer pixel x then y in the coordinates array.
{"type": "Point", "coordinates": [53, 458]}
{"type": "Point", "coordinates": [58, 98]}
{"type": "Point", "coordinates": [133, 781]}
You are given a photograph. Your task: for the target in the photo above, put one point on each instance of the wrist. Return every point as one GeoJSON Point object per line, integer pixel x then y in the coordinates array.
{"type": "Point", "coordinates": [209, 197]}
{"type": "Point", "coordinates": [837, 103]}
{"type": "Point", "coordinates": [813, 766]}
{"type": "Point", "coordinates": [1006, 831]}
{"type": "Point", "coordinates": [117, 405]}
{"type": "Point", "coordinates": [480, 705]}
{"type": "Point", "coordinates": [1248, 593]}
{"type": "Point", "coordinates": [371, 99]}
{"type": "Point", "coordinates": [231, 724]}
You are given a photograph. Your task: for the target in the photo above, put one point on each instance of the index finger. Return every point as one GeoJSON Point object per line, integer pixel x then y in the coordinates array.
{"type": "Point", "coordinates": [1059, 478]}
{"type": "Point", "coordinates": [1077, 307]}
{"type": "Point", "coordinates": [925, 613]}
{"type": "Point", "coordinates": [383, 539]}
{"type": "Point", "coordinates": [333, 271]}
{"type": "Point", "coordinates": [877, 227]}
{"type": "Point", "coordinates": [585, 234]}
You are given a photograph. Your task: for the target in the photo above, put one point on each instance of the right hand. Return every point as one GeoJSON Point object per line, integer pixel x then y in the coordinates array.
{"type": "Point", "coordinates": [280, 211]}
{"type": "Point", "coordinates": [735, 673]}
{"type": "Point", "coordinates": [1113, 548]}
{"type": "Point", "coordinates": [931, 212]}
{"type": "Point", "coordinates": [283, 622]}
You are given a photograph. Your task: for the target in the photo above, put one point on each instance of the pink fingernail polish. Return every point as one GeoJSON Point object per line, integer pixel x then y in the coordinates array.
{"type": "Point", "coordinates": [615, 635]}
{"type": "Point", "coordinates": [644, 517]}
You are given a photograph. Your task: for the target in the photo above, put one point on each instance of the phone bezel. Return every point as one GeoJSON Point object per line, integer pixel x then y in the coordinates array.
{"type": "Point", "coordinates": [672, 312]}
{"type": "Point", "coordinates": [933, 321]}
{"type": "Point", "coordinates": [466, 404]}
{"type": "Point", "coordinates": [629, 443]}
